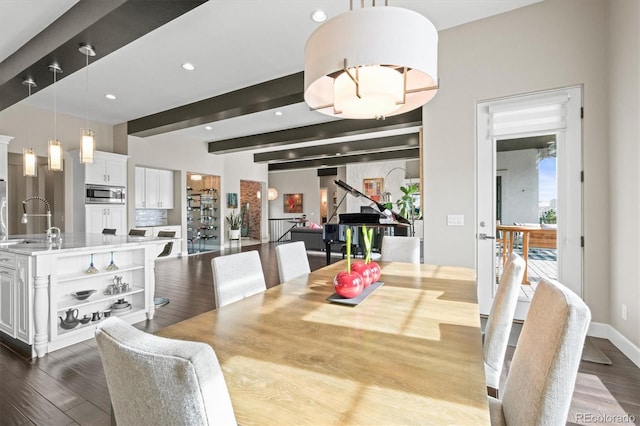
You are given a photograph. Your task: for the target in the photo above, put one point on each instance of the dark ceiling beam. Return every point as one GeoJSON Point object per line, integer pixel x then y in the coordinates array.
{"type": "Point", "coordinates": [107, 25]}
{"type": "Point", "coordinates": [322, 131]}
{"type": "Point", "coordinates": [343, 149]}
{"type": "Point", "coordinates": [405, 154]}
{"type": "Point", "coordinates": [264, 96]}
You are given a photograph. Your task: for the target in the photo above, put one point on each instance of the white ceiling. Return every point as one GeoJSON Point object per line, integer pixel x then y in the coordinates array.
{"type": "Point", "coordinates": [232, 43]}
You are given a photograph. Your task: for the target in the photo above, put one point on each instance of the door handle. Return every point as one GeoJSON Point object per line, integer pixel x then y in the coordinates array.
{"type": "Point", "coordinates": [486, 237]}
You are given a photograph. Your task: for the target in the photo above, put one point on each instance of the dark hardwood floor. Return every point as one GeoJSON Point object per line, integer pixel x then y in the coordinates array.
{"type": "Point", "coordinates": [68, 386]}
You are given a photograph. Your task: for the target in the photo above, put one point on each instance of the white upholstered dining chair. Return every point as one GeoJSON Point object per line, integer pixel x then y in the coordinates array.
{"type": "Point", "coordinates": [498, 327]}
{"type": "Point", "coordinates": [544, 367]}
{"type": "Point", "coordinates": [158, 381]}
{"type": "Point", "coordinates": [400, 249]}
{"type": "Point", "coordinates": [237, 276]}
{"type": "Point", "coordinates": [292, 260]}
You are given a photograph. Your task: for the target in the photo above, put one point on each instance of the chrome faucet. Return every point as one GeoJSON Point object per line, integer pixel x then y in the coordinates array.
{"type": "Point", "coordinates": [52, 232]}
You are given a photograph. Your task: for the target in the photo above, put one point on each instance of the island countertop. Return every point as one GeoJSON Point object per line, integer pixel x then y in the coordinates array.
{"type": "Point", "coordinates": [35, 244]}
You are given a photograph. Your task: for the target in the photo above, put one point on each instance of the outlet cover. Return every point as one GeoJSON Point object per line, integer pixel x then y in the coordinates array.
{"type": "Point", "coordinates": [624, 312]}
{"type": "Point", "coordinates": [455, 220]}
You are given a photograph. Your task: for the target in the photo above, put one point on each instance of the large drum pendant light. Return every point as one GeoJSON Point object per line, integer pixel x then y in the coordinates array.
{"type": "Point", "coordinates": [372, 62]}
{"type": "Point", "coordinates": [87, 140]}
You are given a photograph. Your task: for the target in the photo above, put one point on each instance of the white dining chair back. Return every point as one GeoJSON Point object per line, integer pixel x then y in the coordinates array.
{"type": "Point", "coordinates": [292, 260]}
{"type": "Point", "coordinates": [158, 381]}
{"type": "Point", "coordinates": [544, 367]}
{"type": "Point", "coordinates": [498, 327]}
{"type": "Point", "coordinates": [400, 249]}
{"type": "Point", "coordinates": [237, 276]}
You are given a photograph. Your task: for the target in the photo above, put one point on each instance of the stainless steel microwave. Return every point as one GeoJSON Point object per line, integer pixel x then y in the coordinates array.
{"type": "Point", "coordinates": [103, 194]}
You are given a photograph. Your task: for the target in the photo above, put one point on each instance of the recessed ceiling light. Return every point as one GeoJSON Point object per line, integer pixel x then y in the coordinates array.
{"type": "Point", "coordinates": [208, 127]}
{"type": "Point", "coordinates": [188, 66]}
{"type": "Point", "coordinates": [278, 113]}
{"type": "Point", "coordinates": [110, 96]}
{"type": "Point", "coordinates": [319, 16]}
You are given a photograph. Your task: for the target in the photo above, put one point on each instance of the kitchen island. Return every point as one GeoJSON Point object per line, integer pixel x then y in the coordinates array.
{"type": "Point", "coordinates": [40, 303]}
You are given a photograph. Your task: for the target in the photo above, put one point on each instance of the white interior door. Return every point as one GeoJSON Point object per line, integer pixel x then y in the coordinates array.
{"type": "Point", "coordinates": [556, 113]}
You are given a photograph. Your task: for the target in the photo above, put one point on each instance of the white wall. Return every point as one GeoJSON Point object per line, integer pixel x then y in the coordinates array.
{"type": "Point", "coordinates": [305, 182]}
{"type": "Point", "coordinates": [520, 184]}
{"type": "Point", "coordinates": [33, 127]}
{"type": "Point", "coordinates": [624, 164]}
{"type": "Point", "coordinates": [357, 172]}
{"type": "Point", "coordinates": [240, 166]}
{"type": "Point", "coordinates": [552, 44]}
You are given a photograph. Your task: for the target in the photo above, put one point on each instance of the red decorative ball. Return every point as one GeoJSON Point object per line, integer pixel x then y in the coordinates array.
{"type": "Point", "coordinates": [376, 272]}
{"type": "Point", "coordinates": [363, 269]}
{"type": "Point", "coordinates": [347, 284]}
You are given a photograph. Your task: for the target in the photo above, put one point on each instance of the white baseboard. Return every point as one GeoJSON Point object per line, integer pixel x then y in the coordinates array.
{"type": "Point", "coordinates": [605, 331]}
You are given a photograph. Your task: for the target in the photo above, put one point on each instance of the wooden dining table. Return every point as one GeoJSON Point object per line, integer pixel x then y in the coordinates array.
{"type": "Point", "coordinates": [410, 353]}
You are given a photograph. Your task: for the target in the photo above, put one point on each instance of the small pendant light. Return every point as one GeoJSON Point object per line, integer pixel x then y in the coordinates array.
{"type": "Point", "coordinates": [55, 163]}
{"type": "Point", "coordinates": [29, 156]}
{"type": "Point", "coordinates": [87, 141]}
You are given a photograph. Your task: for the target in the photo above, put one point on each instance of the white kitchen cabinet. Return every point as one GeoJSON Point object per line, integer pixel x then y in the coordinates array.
{"type": "Point", "coordinates": [140, 188]}
{"type": "Point", "coordinates": [36, 287]}
{"type": "Point", "coordinates": [24, 299]}
{"type": "Point", "coordinates": [100, 216]}
{"type": "Point", "coordinates": [4, 147]}
{"type": "Point", "coordinates": [154, 188]}
{"type": "Point", "coordinates": [7, 300]}
{"type": "Point", "coordinates": [15, 296]}
{"type": "Point", "coordinates": [107, 169]}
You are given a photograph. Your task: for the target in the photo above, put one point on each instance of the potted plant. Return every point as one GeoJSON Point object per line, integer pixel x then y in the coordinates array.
{"type": "Point", "coordinates": [407, 205]}
{"type": "Point", "coordinates": [235, 221]}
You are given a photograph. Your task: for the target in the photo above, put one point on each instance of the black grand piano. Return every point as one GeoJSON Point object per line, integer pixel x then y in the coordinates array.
{"type": "Point", "coordinates": [377, 216]}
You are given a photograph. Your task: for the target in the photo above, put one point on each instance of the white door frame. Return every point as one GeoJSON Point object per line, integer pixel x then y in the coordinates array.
{"type": "Point", "coordinates": [569, 180]}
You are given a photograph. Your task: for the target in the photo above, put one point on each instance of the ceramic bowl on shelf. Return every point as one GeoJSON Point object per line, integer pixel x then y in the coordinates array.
{"type": "Point", "coordinates": [83, 294]}
{"type": "Point", "coordinates": [120, 304]}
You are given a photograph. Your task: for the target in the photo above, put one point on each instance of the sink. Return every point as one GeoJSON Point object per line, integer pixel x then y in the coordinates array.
{"type": "Point", "coordinates": [32, 245]}
{"type": "Point", "coordinates": [31, 241]}
{"type": "Point", "coordinates": [4, 243]}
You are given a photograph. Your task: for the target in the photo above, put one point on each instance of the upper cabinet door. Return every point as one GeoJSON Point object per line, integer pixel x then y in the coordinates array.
{"type": "Point", "coordinates": [140, 195]}
{"type": "Point", "coordinates": [96, 172]}
{"type": "Point", "coordinates": [116, 171]}
{"type": "Point", "coordinates": [165, 189]}
{"type": "Point", "coordinates": [106, 169]}
{"type": "Point", "coordinates": [152, 188]}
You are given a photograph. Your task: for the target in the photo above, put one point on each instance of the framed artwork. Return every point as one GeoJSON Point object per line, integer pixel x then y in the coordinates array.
{"type": "Point", "coordinates": [292, 203]}
{"type": "Point", "coordinates": [232, 200]}
{"type": "Point", "coordinates": [373, 188]}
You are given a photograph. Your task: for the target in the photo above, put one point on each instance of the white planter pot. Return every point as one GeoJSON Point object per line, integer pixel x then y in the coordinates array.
{"type": "Point", "coordinates": [234, 234]}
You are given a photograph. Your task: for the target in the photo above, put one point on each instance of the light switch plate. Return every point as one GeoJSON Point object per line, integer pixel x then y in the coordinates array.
{"type": "Point", "coordinates": [455, 220]}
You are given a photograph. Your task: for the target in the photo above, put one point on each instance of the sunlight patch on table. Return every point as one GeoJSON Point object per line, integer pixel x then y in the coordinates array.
{"type": "Point", "coordinates": [343, 401]}
{"type": "Point", "coordinates": [411, 320]}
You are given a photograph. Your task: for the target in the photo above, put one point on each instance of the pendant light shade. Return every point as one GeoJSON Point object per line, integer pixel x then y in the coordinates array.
{"type": "Point", "coordinates": [30, 162]}
{"type": "Point", "coordinates": [372, 62]}
{"type": "Point", "coordinates": [55, 163]}
{"type": "Point", "coordinates": [272, 194]}
{"type": "Point", "coordinates": [55, 155]}
{"type": "Point", "coordinates": [87, 146]}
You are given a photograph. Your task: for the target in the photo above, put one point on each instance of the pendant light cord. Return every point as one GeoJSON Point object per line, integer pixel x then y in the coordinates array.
{"type": "Point", "coordinates": [55, 106]}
